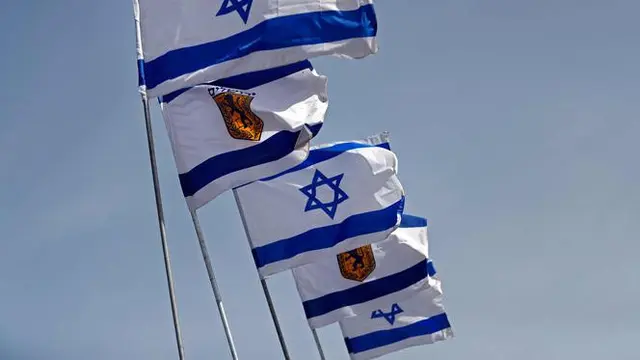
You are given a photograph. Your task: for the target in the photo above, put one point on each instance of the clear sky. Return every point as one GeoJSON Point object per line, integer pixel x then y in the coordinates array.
{"type": "Point", "coordinates": [516, 124]}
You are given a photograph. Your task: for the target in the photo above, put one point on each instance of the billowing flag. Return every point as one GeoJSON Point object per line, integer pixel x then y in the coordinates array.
{"type": "Point", "coordinates": [343, 196]}
{"type": "Point", "coordinates": [366, 278]}
{"type": "Point", "coordinates": [186, 43]}
{"type": "Point", "coordinates": [419, 320]}
{"type": "Point", "coordinates": [244, 128]}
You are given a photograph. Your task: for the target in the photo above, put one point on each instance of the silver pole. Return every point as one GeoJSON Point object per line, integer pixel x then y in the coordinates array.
{"type": "Point", "coordinates": [274, 316]}
{"type": "Point", "coordinates": [318, 344]}
{"type": "Point", "coordinates": [272, 309]}
{"type": "Point", "coordinates": [214, 284]}
{"type": "Point", "coordinates": [160, 212]}
{"type": "Point", "coordinates": [156, 188]}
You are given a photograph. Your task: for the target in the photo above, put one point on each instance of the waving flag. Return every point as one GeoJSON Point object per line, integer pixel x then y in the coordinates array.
{"type": "Point", "coordinates": [366, 278]}
{"type": "Point", "coordinates": [343, 196]}
{"type": "Point", "coordinates": [185, 43]}
{"type": "Point", "coordinates": [244, 128]}
{"type": "Point", "coordinates": [419, 320]}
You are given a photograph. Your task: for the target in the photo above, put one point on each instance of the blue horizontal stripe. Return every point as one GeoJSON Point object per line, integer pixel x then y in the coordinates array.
{"type": "Point", "coordinates": [141, 81]}
{"type": "Point", "coordinates": [387, 337]}
{"type": "Point", "coordinates": [273, 34]}
{"type": "Point", "coordinates": [315, 129]}
{"type": "Point", "coordinates": [272, 149]}
{"type": "Point", "coordinates": [323, 154]}
{"type": "Point", "coordinates": [250, 80]}
{"type": "Point", "coordinates": [367, 291]}
{"type": "Point", "coordinates": [328, 236]}
{"type": "Point", "coordinates": [254, 79]}
{"type": "Point", "coordinates": [410, 221]}
{"type": "Point", "coordinates": [431, 269]}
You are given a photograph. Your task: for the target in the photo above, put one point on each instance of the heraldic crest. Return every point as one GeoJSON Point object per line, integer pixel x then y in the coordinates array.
{"type": "Point", "coordinates": [241, 122]}
{"type": "Point", "coordinates": [357, 264]}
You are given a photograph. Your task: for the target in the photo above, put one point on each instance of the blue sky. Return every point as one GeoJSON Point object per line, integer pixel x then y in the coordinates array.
{"type": "Point", "coordinates": [515, 123]}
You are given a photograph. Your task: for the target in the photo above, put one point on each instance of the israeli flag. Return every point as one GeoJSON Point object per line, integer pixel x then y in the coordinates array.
{"type": "Point", "coordinates": [343, 196]}
{"type": "Point", "coordinates": [419, 320]}
{"type": "Point", "coordinates": [240, 129]}
{"type": "Point", "coordinates": [186, 43]}
{"type": "Point", "coordinates": [366, 278]}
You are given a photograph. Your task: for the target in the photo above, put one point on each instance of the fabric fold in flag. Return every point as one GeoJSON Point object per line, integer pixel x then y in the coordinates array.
{"type": "Point", "coordinates": [186, 43]}
{"type": "Point", "coordinates": [366, 278]}
{"type": "Point", "coordinates": [419, 320]}
{"type": "Point", "coordinates": [238, 130]}
{"type": "Point", "coordinates": [343, 196]}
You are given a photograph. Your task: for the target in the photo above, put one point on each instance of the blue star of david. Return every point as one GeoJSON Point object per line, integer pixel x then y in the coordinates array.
{"type": "Point", "coordinates": [313, 202]}
{"type": "Point", "coordinates": [242, 7]}
{"type": "Point", "coordinates": [390, 316]}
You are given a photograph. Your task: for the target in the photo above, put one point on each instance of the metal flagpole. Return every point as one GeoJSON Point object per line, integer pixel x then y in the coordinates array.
{"type": "Point", "coordinates": [274, 316]}
{"type": "Point", "coordinates": [158, 197]}
{"type": "Point", "coordinates": [163, 235]}
{"type": "Point", "coordinates": [318, 344]}
{"type": "Point", "coordinates": [214, 284]}
{"type": "Point", "coordinates": [272, 309]}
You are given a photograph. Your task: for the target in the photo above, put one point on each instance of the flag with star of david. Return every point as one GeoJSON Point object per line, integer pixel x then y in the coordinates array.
{"type": "Point", "coordinates": [360, 281]}
{"type": "Point", "coordinates": [186, 43]}
{"type": "Point", "coordinates": [343, 196]}
{"type": "Point", "coordinates": [419, 320]}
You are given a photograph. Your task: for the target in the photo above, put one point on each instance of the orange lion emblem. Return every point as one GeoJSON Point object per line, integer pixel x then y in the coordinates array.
{"type": "Point", "coordinates": [357, 264]}
{"type": "Point", "coordinates": [241, 122]}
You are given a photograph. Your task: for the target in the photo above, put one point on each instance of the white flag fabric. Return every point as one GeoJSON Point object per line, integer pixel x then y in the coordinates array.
{"type": "Point", "coordinates": [343, 196]}
{"type": "Point", "coordinates": [366, 278]}
{"type": "Point", "coordinates": [244, 128]}
{"type": "Point", "coordinates": [419, 320]}
{"type": "Point", "coordinates": [186, 43]}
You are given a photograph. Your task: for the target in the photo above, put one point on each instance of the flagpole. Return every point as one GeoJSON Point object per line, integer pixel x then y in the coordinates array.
{"type": "Point", "coordinates": [265, 289]}
{"type": "Point", "coordinates": [274, 316]}
{"type": "Point", "coordinates": [156, 189]}
{"type": "Point", "coordinates": [163, 235]}
{"type": "Point", "coordinates": [214, 284]}
{"type": "Point", "coordinates": [318, 344]}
